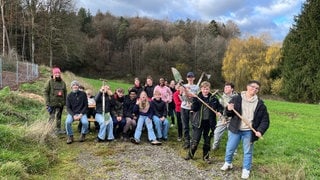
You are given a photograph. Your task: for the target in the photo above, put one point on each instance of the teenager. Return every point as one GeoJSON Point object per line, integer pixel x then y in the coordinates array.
{"type": "Point", "coordinates": [204, 120]}
{"type": "Point", "coordinates": [254, 114]}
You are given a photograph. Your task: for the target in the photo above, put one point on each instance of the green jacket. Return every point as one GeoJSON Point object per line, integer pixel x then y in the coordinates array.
{"type": "Point", "coordinates": [55, 93]}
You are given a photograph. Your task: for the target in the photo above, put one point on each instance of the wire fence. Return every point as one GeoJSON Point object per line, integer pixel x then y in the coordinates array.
{"type": "Point", "coordinates": [12, 73]}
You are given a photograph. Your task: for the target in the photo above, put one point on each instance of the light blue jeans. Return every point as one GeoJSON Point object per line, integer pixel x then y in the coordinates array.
{"type": "Point", "coordinates": [162, 127]}
{"type": "Point", "coordinates": [105, 129]}
{"type": "Point", "coordinates": [232, 144]}
{"type": "Point", "coordinates": [84, 121]}
{"type": "Point", "coordinates": [148, 123]}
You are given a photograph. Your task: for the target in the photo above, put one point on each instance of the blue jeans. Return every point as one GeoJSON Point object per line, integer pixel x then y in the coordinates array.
{"type": "Point", "coordinates": [148, 123]}
{"type": "Point", "coordinates": [232, 144]}
{"type": "Point", "coordinates": [162, 127]}
{"type": "Point", "coordinates": [105, 129]}
{"type": "Point", "coordinates": [84, 121]}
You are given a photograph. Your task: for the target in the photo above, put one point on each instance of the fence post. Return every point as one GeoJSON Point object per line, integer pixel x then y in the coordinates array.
{"type": "Point", "coordinates": [17, 73]}
{"type": "Point", "coordinates": [0, 72]}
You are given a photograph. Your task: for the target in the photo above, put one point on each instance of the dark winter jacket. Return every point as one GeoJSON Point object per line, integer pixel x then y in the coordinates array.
{"type": "Point", "coordinates": [128, 105]}
{"type": "Point", "coordinates": [197, 107]}
{"type": "Point", "coordinates": [98, 98]}
{"type": "Point", "coordinates": [149, 90]}
{"type": "Point", "coordinates": [159, 108]}
{"type": "Point", "coordinates": [77, 103]}
{"type": "Point", "coordinates": [116, 105]}
{"type": "Point", "coordinates": [260, 121]}
{"type": "Point", "coordinates": [55, 93]}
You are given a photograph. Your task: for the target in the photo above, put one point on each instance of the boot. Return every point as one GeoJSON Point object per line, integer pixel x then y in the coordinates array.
{"type": "Point", "coordinates": [82, 137]}
{"type": "Point", "coordinates": [70, 139]}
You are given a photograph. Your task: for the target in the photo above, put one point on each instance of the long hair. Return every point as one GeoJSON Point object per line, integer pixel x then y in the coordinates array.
{"type": "Point", "coordinates": [144, 103]}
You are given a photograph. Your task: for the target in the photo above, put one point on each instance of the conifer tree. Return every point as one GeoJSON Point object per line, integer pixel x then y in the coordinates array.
{"type": "Point", "coordinates": [301, 52]}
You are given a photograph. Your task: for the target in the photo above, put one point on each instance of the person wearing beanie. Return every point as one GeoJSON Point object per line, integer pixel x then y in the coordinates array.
{"type": "Point", "coordinates": [77, 107]}
{"type": "Point", "coordinates": [55, 93]}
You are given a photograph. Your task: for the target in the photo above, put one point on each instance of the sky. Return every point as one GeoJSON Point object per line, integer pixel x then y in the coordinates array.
{"type": "Point", "coordinates": [253, 17]}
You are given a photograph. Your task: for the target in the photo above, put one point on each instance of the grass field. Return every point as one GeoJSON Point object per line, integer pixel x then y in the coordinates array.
{"type": "Point", "coordinates": [290, 148]}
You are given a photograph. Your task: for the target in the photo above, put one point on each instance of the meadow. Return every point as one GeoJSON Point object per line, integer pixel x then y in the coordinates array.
{"type": "Point", "coordinates": [28, 150]}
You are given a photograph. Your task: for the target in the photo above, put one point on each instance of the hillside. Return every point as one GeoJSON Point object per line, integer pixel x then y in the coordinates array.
{"type": "Point", "coordinates": [30, 150]}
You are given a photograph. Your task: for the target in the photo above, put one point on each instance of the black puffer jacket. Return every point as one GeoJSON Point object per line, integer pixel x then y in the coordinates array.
{"type": "Point", "coordinates": [98, 99]}
{"type": "Point", "coordinates": [197, 107]}
{"type": "Point", "coordinates": [260, 121]}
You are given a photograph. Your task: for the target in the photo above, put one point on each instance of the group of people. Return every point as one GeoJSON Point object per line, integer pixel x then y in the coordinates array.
{"type": "Point", "coordinates": [210, 114]}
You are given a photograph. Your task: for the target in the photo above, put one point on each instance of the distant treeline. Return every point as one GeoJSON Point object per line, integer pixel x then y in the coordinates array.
{"type": "Point", "coordinates": [53, 33]}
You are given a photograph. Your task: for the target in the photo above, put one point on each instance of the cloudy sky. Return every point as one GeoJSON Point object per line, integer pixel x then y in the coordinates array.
{"type": "Point", "coordinates": [253, 17]}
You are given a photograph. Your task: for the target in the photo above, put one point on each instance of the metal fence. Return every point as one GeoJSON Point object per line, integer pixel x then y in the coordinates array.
{"type": "Point", "coordinates": [13, 73]}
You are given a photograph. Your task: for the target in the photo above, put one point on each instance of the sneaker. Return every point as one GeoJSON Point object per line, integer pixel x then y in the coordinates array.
{"type": "Point", "coordinates": [186, 146]}
{"type": "Point", "coordinates": [70, 139]}
{"type": "Point", "coordinates": [155, 142]}
{"type": "Point", "coordinates": [226, 166]}
{"type": "Point", "coordinates": [214, 148]}
{"type": "Point", "coordinates": [188, 157]}
{"type": "Point", "coordinates": [98, 140]}
{"type": "Point", "coordinates": [179, 139]}
{"type": "Point", "coordinates": [134, 141]}
{"type": "Point", "coordinates": [245, 174]}
{"type": "Point", "coordinates": [82, 137]}
{"type": "Point", "coordinates": [207, 160]}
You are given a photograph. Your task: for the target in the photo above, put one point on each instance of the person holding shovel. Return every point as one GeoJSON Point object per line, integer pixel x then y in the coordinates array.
{"type": "Point", "coordinates": [103, 116]}
{"type": "Point", "coordinates": [249, 121]}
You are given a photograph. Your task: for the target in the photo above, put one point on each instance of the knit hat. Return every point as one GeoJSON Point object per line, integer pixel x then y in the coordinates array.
{"type": "Point", "coordinates": [74, 82]}
{"type": "Point", "coordinates": [56, 70]}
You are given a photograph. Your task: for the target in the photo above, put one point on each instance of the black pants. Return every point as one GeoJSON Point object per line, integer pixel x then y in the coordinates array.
{"type": "Point", "coordinates": [178, 114]}
{"type": "Point", "coordinates": [203, 130]}
{"type": "Point", "coordinates": [186, 119]}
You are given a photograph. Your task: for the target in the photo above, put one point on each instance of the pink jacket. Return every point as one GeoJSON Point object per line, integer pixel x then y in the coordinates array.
{"type": "Point", "coordinates": [166, 93]}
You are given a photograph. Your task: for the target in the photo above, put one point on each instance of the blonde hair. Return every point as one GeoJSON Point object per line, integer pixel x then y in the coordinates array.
{"type": "Point", "coordinates": [145, 103]}
{"type": "Point", "coordinates": [205, 84]}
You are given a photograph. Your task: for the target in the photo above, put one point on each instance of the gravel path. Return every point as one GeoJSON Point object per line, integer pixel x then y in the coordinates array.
{"type": "Point", "coordinates": [132, 162]}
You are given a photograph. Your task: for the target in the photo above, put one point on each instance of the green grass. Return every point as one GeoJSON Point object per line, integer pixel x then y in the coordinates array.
{"type": "Point", "coordinates": [290, 148]}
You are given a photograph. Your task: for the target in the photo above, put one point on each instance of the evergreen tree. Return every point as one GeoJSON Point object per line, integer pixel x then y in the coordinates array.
{"type": "Point", "coordinates": [301, 51]}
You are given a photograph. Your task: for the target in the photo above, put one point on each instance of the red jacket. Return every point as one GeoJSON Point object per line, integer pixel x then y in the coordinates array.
{"type": "Point", "coordinates": [177, 100]}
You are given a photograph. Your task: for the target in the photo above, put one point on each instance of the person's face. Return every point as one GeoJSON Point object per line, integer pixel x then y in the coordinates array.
{"type": "Point", "coordinates": [143, 96]}
{"type": "Point", "coordinates": [172, 84]}
{"type": "Point", "coordinates": [120, 94]}
{"type": "Point", "coordinates": [149, 82]}
{"type": "Point", "coordinates": [57, 74]}
{"type": "Point", "coordinates": [137, 82]}
{"type": "Point", "coordinates": [253, 89]}
{"type": "Point", "coordinates": [157, 96]}
{"type": "Point", "coordinates": [75, 87]}
{"type": "Point", "coordinates": [205, 90]}
{"type": "Point", "coordinates": [190, 78]}
{"type": "Point", "coordinates": [228, 89]}
{"type": "Point", "coordinates": [132, 95]}
{"type": "Point", "coordinates": [162, 82]}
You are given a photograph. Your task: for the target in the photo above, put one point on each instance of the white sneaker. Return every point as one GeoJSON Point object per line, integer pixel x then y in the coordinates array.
{"type": "Point", "coordinates": [245, 174]}
{"type": "Point", "coordinates": [226, 166]}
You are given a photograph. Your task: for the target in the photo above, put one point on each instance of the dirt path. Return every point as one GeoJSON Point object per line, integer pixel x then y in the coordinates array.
{"type": "Point", "coordinates": [143, 161]}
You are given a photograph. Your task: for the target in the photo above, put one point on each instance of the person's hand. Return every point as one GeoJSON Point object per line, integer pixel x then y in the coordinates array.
{"type": "Point", "coordinates": [162, 118]}
{"type": "Point", "coordinates": [230, 107]}
{"type": "Point", "coordinates": [219, 114]}
{"type": "Point", "coordinates": [138, 101]}
{"type": "Point", "coordinates": [258, 134]}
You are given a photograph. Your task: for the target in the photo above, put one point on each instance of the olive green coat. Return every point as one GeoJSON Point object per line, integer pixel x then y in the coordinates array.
{"type": "Point", "coordinates": [55, 93]}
